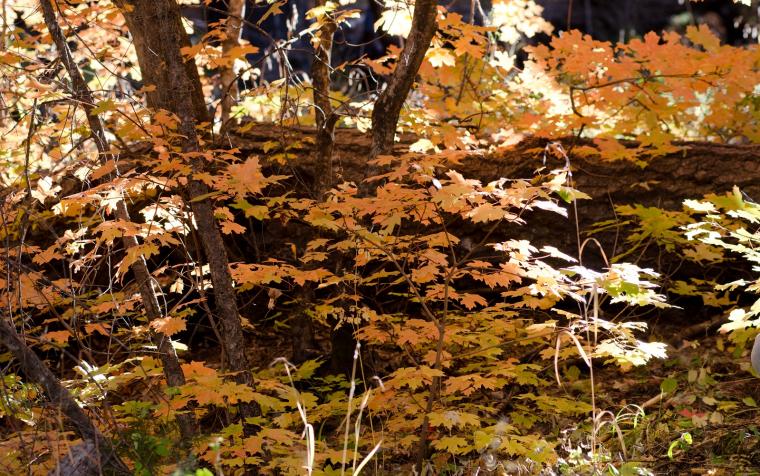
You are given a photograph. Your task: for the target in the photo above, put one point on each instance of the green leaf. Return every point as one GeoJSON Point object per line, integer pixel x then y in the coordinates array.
{"type": "Point", "coordinates": [632, 469]}
{"type": "Point", "coordinates": [569, 195]}
{"type": "Point", "coordinates": [306, 369]}
{"type": "Point", "coordinates": [203, 197]}
{"type": "Point", "coordinates": [103, 106]}
{"type": "Point", "coordinates": [672, 447]}
{"type": "Point", "coordinates": [668, 385]}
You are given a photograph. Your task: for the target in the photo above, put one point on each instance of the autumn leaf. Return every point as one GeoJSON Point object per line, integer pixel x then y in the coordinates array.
{"type": "Point", "coordinates": [59, 337]}
{"type": "Point", "coordinates": [245, 178]}
{"type": "Point", "coordinates": [197, 369]}
{"type": "Point", "coordinates": [229, 227]}
{"type": "Point", "coordinates": [487, 212]}
{"type": "Point", "coordinates": [440, 57]}
{"type": "Point", "coordinates": [471, 301]}
{"type": "Point", "coordinates": [455, 445]}
{"type": "Point", "coordinates": [168, 325]}
{"type": "Point", "coordinates": [97, 328]}
{"type": "Point", "coordinates": [103, 170]}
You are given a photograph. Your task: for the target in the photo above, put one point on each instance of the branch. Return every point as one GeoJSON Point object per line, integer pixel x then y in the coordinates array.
{"type": "Point", "coordinates": [387, 109]}
{"type": "Point", "coordinates": [83, 95]}
{"type": "Point", "coordinates": [232, 30]}
{"type": "Point", "coordinates": [36, 371]}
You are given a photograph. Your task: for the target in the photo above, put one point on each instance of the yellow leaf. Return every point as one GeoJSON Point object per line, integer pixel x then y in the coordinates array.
{"type": "Point", "coordinates": [470, 301]}
{"type": "Point", "coordinates": [440, 57]}
{"type": "Point", "coordinates": [451, 444]}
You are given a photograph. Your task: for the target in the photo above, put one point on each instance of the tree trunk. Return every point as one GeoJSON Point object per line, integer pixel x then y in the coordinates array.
{"type": "Point", "coordinates": [37, 372]}
{"type": "Point", "coordinates": [388, 106]}
{"type": "Point", "coordinates": [178, 90]}
{"type": "Point", "coordinates": [232, 30]}
{"type": "Point", "coordinates": [302, 330]}
{"type": "Point", "coordinates": [82, 460]}
{"type": "Point", "coordinates": [323, 110]}
{"type": "Point", "coordinates": [172, 369]}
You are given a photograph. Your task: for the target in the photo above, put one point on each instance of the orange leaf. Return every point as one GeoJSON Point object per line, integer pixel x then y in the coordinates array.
{"type": "Point", "coordinates": [168, 325]}
{"type": "Point", "coordinates": [59, 337]}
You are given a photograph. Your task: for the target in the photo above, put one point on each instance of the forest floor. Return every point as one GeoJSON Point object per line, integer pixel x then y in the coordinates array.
{"type": "Point", "coordinates": [700, 389]}
{"type": "Point", "coordinates": [701, 392]}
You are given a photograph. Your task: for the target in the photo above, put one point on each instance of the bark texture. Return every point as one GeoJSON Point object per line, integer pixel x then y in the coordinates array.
{"type": "Point", "coordinates": [325, 118]}
{"type": "Point", "coordinates": [178, 90]}
{"type": "Point", "coordinates": [82, 460]}
{"type": "Point", "coordinates": [388, 106]}
{"type": "Point", "coordinates": [232, 31]}
{"type": "Point", "coordinates": [324, 114]}
{"type": "Point", "coordinates": [36, 371]}
{"type": "Point", "coordinates": [83, 95]}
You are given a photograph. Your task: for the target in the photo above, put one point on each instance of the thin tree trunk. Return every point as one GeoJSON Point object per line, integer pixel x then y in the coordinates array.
{"type": "Point", "coordinates": [232, 30]}
{"type": "Point", "coordinates": [388, 106]}
{"type": "Point", "coordinates": [178, 90]}
{"type": "Point", "coordinates": [36, 371]}
{"type": "Point", "coordinates": [302, 330]}
{"type": "Point", "coordinates": [323, 111]}
{"type": "Point", "coordinates": [172, 370]}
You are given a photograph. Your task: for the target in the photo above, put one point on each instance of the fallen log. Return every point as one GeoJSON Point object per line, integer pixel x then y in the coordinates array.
{"type": "Point", "coordinates": [698, 168]}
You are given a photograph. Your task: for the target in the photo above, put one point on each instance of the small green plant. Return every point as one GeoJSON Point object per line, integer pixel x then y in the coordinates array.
{"type": "Point", "coordinates": [147, 444]}
{"type": "Point", "coordinates": [197, 472]}
{"type": "Point", "coordinates": [682, 443]}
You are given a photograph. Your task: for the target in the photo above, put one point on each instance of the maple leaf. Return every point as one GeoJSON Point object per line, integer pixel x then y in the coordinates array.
{"type": "Point", "coordinates": [191, 51]}
{"type": "Point", "coordinates": [455, 445]}
{"type": "Point", "coordinates": [197, 369]}
{"type": "Point", "coordinates": [414, 377]}
{"type": "Point", "coordinates": [274, 9]}
{"type": "Point", "coordinates": [59, 337]}
{"type": "Point", "coordinates": [245, 178]}
{"type": "Point", "coordinates": [103, 170]}
{"type": "Point", "coordinates": [396, 19]}
{"type": "Point", "coordinates": [467, 46]}
{"type": "Point", "coordinates": [440, 57]}
{"type": "Point", "coordinates": [235, 392]}
{"type": "Point", "coordinates": [97, 327]}
{"type": "Point", "coordinates": [144, 250]}
{"type": "Point", "coordinates": [409, 336]}
{"type": "Point", "coordinates": [452, 418]}
{"type": "Point", "coordinates": [229, 227]}
{"type": "Point", "coordinates": [168, 325]}
{"type": "Point", "coordinates": [47, 255]}
{"type": "Point", "coordinates": [253, 444]}
{"type": "Point", "coordinates": [45, 189]}
{"type": "Point", "coordinates": [206, 394]}
{"type": "Point", "coordinates": [486, 212]}
{"type": "Point", "coordinates": [425, 274]}
{"type": "Point", "coordinates": [470, 301]}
